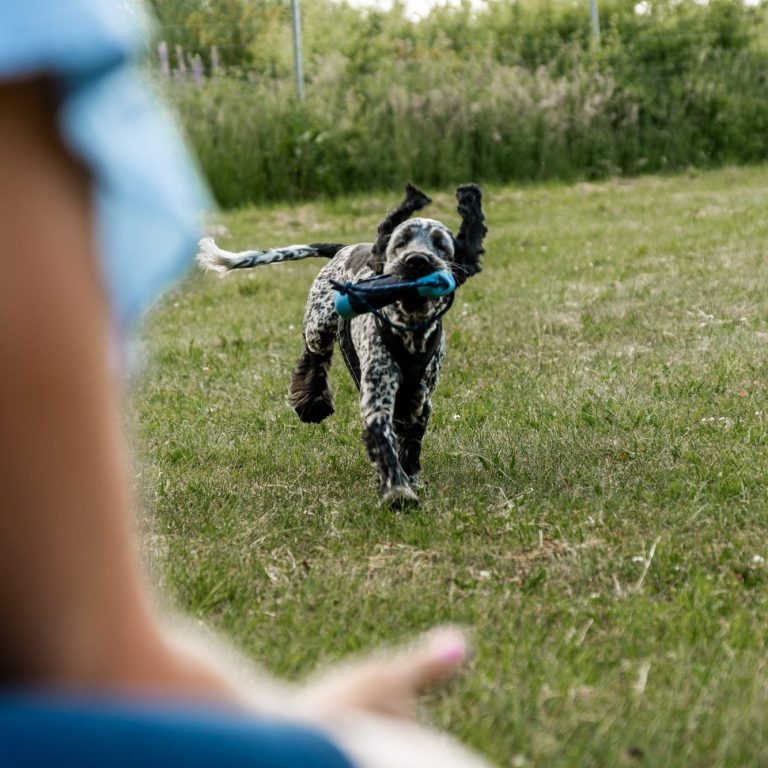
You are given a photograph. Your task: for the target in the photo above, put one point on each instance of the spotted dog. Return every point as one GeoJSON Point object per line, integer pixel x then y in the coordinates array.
{"type": "Point", "coordinates": [394, 357]}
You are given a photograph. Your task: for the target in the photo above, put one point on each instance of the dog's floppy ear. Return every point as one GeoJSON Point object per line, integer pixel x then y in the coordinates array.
{"type": "Point", "coordinates": [413, 201]}
{"type": "Point", "coordinates": [469, 242]}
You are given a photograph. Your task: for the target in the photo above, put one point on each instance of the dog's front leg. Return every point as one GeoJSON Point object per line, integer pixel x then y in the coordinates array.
{"type": "Point", "coordinates": [310, 393]}
{"type": "Point", "coordinates": [378, 388]}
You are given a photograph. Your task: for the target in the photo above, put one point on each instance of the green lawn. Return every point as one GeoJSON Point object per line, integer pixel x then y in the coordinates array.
{"type": "Point", "coordinates": [596, 512]}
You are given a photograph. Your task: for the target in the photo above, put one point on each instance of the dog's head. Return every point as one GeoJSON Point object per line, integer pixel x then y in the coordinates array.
{"type": "Point", "coordinates": [429, 243]}
{"type": "Point", "coordinates": [418, 247]}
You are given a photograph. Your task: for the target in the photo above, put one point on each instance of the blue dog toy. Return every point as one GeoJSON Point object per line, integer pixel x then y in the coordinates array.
{"type": "Point", "coordinates": [370, 295]}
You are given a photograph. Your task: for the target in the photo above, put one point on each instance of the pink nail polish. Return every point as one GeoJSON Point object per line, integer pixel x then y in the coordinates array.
{"type": "Point", "coordinates": [453, 652]}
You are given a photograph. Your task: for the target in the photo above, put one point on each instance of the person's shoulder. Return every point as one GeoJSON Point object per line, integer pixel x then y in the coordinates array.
{"type": "Point", "coordinates": [69, 37]}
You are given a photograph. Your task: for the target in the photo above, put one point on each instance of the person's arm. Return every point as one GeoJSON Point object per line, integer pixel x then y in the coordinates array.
{"type": "Point", "coordinates": [73, 607]}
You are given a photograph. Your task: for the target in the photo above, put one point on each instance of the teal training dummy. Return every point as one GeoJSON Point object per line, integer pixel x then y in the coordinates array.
{"type": "Point", "coordinates": [352, 299]}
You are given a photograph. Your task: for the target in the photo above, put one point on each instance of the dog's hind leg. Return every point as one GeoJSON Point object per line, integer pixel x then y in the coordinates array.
{"type": "Point", "coordinates": [413, 407]}
{"type": "Point", "coordinates": [409, 438]}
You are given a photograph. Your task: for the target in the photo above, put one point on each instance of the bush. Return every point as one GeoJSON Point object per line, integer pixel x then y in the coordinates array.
{"type": "Point", "coordinates": [509, 92]}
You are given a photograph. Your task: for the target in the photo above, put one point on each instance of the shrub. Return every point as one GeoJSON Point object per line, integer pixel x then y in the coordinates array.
{"type": "Point", "coordinates": [509, 92]}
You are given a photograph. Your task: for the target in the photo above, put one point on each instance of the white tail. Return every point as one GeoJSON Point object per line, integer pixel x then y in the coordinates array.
{"type": "Point", "coordinates": [210, 256]}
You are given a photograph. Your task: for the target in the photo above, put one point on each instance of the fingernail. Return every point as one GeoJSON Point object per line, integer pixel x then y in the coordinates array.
{"type": "Point", "coordinates": [453, 652]}
{"type": "Point", "coordinates": [450, 646]}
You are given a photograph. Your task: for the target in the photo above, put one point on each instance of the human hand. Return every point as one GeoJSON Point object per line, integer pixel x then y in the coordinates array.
{"type": "Point", "coordinates": [367, 706]}
{"type": "Point", "coordinates": [387, 683]}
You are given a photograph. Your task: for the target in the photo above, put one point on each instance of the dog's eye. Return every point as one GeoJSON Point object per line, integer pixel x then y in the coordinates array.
{"type": "Point", "coordinates": [439, 242]}
{"type": "Point", "coordinates": [400, 240]}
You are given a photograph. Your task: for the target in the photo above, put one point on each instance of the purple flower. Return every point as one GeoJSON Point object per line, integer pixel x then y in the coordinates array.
{"type": "Point", "coordinates": [196, 65]}
{"type": "Point", "coordinates": [162, 53]}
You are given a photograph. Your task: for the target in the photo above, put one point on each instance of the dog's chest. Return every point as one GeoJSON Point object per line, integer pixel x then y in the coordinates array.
{"type": "Point", "coordinates": [410, 361]}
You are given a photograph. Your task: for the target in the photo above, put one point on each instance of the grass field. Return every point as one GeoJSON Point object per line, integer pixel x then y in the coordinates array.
{"type": "Point", "coordinates": [597, 462]}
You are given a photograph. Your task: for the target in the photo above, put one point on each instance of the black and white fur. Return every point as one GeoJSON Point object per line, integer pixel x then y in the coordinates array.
{"type": "Point", "coordinates": [395, 370]}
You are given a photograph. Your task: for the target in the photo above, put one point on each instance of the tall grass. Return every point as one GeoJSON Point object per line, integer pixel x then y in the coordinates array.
{"type": "Point", "coordinates": [496, 95]}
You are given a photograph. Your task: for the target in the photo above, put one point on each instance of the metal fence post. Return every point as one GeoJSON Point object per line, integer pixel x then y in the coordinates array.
{"type": "Point", "coordinates": [297, 57]}
{"type": "Point", "coordinates": [594, 16]}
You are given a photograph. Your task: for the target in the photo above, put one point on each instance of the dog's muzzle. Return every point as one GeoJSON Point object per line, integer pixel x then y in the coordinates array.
{"type": "Point", "coordinates": [412, 266]}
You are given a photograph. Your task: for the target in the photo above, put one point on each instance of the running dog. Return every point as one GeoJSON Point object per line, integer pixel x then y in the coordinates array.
{"type": "Point", "coordinates": [394, 355]}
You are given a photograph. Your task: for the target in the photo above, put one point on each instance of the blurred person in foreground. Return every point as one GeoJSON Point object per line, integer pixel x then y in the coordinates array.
{"type": "Point", "coordinates": [98, 207]}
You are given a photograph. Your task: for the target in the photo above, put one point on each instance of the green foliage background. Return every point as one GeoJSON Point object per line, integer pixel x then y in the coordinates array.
{"type": "Point", "coordinates": [507, 91]}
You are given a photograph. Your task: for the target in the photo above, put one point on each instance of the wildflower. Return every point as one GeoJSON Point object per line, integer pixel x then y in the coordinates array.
{"type": "Point", "coordinates": [162, 54]}
{"type": "Point", "coordinates": [197, 70]}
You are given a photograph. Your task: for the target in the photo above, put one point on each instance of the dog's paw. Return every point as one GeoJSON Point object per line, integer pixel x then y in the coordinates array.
{"type": "Point", "coordinates": [415, 197]}
{"type": "Point", "coordinates": [314, 411]}
{"type": "Point", "coordinates": [399, 497]}
{"type": "Point", "coordinates": [469, 197]}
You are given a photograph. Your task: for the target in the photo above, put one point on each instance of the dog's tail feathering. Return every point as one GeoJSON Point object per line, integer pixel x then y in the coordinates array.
{"type": "Point", "coordinates": [210, 256]}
